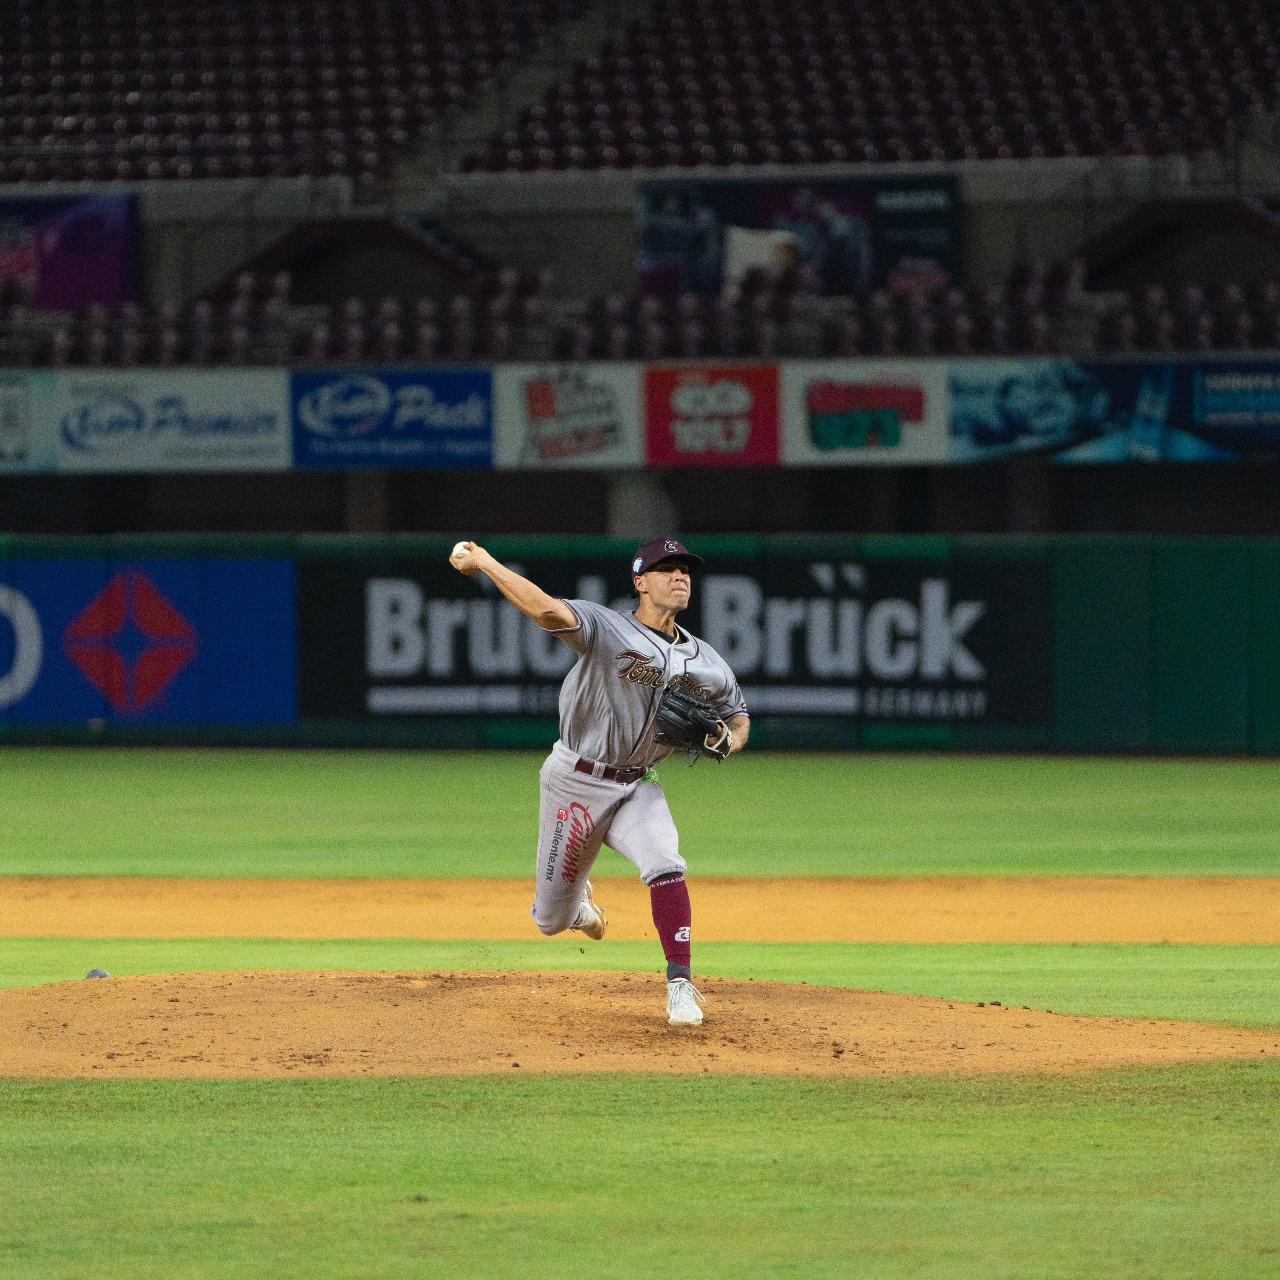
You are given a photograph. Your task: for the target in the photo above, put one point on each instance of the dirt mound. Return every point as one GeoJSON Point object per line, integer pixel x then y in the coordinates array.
{"type": "Point", "coordinates": [288, 1023]}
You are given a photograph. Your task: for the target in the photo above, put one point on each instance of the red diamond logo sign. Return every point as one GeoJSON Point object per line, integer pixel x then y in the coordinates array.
{"type": "Point", "coordinates": [129, 641]}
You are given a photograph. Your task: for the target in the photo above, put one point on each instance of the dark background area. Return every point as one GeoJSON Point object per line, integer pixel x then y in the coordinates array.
{"type": "Point", "coordinates": [1025, 496]}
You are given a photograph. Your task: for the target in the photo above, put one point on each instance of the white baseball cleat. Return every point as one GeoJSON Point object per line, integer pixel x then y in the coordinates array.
{"type": "Point", "coordinates": [683, 999]}
{"type": "Point", "coordinates": [591, 919]}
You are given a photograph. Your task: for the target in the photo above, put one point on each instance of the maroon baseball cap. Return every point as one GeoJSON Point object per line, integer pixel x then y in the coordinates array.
{"type": "Point", "coordinates": [656, 550]}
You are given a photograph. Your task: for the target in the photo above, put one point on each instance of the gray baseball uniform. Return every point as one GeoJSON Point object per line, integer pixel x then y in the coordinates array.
{"type": "Point", "coordinates": [607, 708]}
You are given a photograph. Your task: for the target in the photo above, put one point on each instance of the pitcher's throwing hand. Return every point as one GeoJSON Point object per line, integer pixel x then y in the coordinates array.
{"type": "Point", "coordinates": [468, 557]}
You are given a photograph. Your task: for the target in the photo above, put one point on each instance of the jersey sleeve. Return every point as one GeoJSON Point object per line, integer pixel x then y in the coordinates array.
{"type": "Point", "coordinates": [729, 701]}
{"type": "Point", "coordinates": [583, 634]}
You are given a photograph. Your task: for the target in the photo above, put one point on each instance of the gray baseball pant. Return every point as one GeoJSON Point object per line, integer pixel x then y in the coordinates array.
{"type": "Point", "coordinates": [578, 814]}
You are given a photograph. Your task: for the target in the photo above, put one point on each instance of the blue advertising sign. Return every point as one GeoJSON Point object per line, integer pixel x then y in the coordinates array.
{"type": "Point", "coordinates": [1232, 404]}
{"type": "Point", "coordinates": [1114, 410]}
{"type": "Point", "coordinates": [175, 642]}
{"type": "Point", "coordinates": [426, 418]}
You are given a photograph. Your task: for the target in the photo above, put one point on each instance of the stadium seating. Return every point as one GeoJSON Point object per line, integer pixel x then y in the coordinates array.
{"type": "Point", "coordinates": [1230, 317]}
{"type": "Point", "coordinates": [743, 82]}
{"type": "Point", "coordinates": [257, 322]}
{"type": "Point", "coordinates": [784, 317]}
{"type": "Point", "coordinates": [137, 89]}
{"type": "Point", "coordinates": [508, 314]}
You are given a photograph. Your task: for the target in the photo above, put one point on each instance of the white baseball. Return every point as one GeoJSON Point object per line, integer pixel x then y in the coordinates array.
{"type": "Point", "coordinates": [460, 548]}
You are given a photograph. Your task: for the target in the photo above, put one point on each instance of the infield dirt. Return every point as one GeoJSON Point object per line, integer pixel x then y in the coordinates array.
{"type": "Point", "coordinates": [1209, 909]}
{"type": "Point", "coordinates": [281, 1024]}
{"type": "Point", "coordinates": [256, 1023]}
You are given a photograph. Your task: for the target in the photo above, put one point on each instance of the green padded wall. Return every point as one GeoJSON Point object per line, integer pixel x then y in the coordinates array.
{"type": "Point", "coordinates": [1102, 660]}
{"type": "Point", "coordinates": [1200, 613]}
{"type": "Point", "coordinates": [1264, 646]}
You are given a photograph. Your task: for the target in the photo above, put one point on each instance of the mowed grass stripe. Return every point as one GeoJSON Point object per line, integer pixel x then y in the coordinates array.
{"type": "Point", "coordinates": [1231, 984]}
{"type": "Point", "coordinates": [403, 813]}
{"type": "Point", "coordinates": [1167, 1174]}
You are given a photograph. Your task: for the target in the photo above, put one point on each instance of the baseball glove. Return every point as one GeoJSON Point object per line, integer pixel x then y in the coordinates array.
{"type": "Point", "coordinates": [690, 722]}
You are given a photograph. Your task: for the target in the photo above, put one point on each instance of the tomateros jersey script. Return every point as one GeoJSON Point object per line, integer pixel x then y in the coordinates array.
{"type": "Point", "coordinates": [608, 699]}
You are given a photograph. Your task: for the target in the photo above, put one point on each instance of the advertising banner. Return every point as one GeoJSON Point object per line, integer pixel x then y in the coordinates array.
{"type": "Point", "coordinates": [26, 440]}
{"type": "Point", "coordinates": [855, 412]}
{"type": "Point", "coordinates": [1231, 405]}
{"type": "Point", "coordinates": [566, 415]}
{"type": "Point", "coordinates": [1115, 410]}
{"type": "Point", "coordinates": [945, 641]}
{"type": "Point", "coordinates": [1003, 407]}
{"type": "Point", "coordinates": [172, 641]}
{"type": "Point", "coordinates": [855, 234]}
{"type": "Point", "coordinates": [71, 251]}
{"type": "Point", "coordinates": [856, 638]}
{"type": "Point", "coordinates": [711, 415]}
{"type": "Point", "coordinates": [426, 418]}
{"type": "Point", "coordinates": [386, 638]}
{"type": "Point", "coordinates": [168, 420]}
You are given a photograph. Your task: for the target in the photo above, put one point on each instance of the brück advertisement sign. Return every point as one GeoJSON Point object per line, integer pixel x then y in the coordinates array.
{"type": "Point", "coordinates": [369, 417]}
{"type": "Point", "coordinates": [389, 638]}
{"type": "Point", "coordinates": [947, 641]}
{"type": "Point", "coordinates": [859, 412]}
{"type": "Point", "coordinates": [579, 415]}
{"type": "Point", "coordinates": [168, 420]}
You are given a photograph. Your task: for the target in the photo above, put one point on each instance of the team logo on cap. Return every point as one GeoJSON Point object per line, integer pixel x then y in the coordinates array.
{"type": "Point", "coordinates": [635, 564]}
{"type": "Point", "coordinates": [671, 547]}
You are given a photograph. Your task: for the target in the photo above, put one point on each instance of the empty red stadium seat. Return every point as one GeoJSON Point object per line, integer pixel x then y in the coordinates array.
{"type": "Point", "coordinates": [753, 81]}
{"type": "Point", "coordinates": [130, 90]}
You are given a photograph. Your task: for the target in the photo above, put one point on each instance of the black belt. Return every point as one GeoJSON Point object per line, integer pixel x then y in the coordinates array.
{"type": "Point", "coordinates": [633, 774]}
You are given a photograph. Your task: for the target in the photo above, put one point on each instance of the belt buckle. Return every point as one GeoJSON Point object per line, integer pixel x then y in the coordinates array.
{"type": "Point", "coordinates": [597, 768]}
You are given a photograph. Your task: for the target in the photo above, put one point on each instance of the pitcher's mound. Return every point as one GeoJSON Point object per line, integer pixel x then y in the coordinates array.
{"type": "Point", "coordinates": [288, 1023]}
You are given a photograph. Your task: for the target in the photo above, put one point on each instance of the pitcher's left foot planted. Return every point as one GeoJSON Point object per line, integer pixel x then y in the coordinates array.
{"type": "Point", "coordinates": [683, 999]}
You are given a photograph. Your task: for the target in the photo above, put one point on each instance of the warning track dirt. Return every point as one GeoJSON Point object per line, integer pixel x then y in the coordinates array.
{"type": "Point", "coordinates": [1209, 909]}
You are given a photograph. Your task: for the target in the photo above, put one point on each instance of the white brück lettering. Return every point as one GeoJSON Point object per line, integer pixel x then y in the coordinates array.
{"type": "Point", "coordinates": [890, 638]}
{"type": "Point", "coordinates": [839, 635]}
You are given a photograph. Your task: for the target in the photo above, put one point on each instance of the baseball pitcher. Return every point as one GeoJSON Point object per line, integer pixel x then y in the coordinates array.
{"type": "Point", "coordinates": [642, 688]}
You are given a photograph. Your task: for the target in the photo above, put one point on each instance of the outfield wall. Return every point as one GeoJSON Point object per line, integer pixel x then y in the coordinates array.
{"type": "Point", "coordinates": [1038, 643]}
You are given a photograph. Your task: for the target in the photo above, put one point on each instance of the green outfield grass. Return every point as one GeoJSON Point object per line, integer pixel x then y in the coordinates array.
{"type": "Point", "coordinates": [274, 813]}
{"type": "Point", "coordinates": [1163, 1175]}
{"type": "Point", "coordinates": [1168, 1174]}
{"type": "Point", "coordinates": [1237, 984]}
